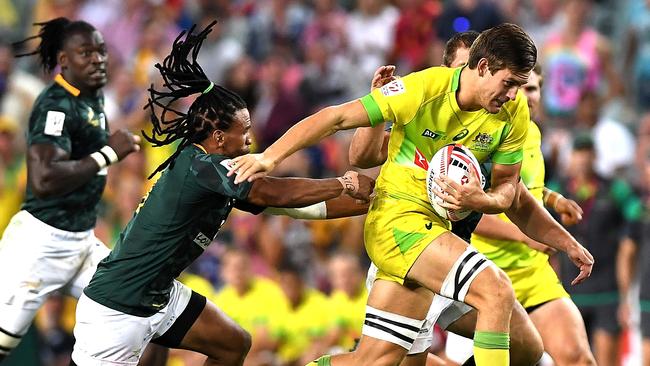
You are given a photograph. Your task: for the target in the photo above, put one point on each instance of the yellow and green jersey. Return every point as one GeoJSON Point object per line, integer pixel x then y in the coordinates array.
{"type": "Point", "coordinates": [426, 116]}
{"type": "Point", "coordinates": [296, 328]}
{"type": "Point", "coordinates": [348, 315]}
{"type": "Point", "coordinates": [515, 254]}
{"type": "Point", "coordinates": [247, 310]}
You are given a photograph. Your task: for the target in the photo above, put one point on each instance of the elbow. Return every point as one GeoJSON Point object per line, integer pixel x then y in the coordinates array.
{"type": "Point", "coordinates": [361, 161]}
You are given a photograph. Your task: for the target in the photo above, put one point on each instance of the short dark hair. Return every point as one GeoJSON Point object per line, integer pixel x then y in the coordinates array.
{"type": "Point", "coordinates": [463, 39]}
{"type": "Point", "coordinates": [504, 46]}
{"type": "Point", "coordinates": [53, 35]}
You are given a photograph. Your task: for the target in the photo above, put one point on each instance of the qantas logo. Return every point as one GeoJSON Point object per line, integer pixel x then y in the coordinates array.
{"type": "Point", "coordinates": [420, 160]}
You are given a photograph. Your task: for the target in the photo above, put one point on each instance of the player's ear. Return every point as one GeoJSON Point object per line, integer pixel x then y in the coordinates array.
{"type": "Point", "coordinates": [62, 59]}
{"type": "Point", "coordinates": [218, 137]}
{"type": "Point", "coordinates": [482, 67]}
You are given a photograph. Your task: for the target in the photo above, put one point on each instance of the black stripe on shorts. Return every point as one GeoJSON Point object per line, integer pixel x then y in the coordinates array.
{"type": "Point", "coordinates": [173, 336]}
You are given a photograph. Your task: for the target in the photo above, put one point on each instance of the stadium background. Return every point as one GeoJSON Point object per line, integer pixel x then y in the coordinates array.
{"type": "Point", "coordinates": [288, 58]}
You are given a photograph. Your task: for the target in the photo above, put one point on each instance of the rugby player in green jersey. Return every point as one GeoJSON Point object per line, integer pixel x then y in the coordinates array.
{"type": "Point", "coordinates": [50, 245]}
{"type": "Point", "coordinates": [414, 250]}
{"type": "Point", "coordinates": [134, 298]}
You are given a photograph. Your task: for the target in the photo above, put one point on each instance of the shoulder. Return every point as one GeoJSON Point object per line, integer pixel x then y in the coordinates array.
{"type": "Point", "coordinates": [516, 106]}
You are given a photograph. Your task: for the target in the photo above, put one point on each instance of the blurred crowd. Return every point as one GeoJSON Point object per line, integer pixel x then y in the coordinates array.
{"type": "Point", "coordinates": [298, 286]}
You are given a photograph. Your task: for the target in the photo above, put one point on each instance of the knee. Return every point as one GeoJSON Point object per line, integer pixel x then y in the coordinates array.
{"type": "Point", "coordinates": [498, 294]}
{"type": "Point", "coordinates": [577, 356]}
{"type": "Point", "coordinates": [243, 344]}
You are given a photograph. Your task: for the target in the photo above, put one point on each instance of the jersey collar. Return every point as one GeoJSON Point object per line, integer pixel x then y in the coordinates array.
{"type": "Point", "coordinates": [66, 85]}
{"type": "Point", "coordinates": [201, 148]}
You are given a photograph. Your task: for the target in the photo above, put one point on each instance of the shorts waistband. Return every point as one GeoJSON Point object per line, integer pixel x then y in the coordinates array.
{"type": "Point", "coordinates": [57, 233]}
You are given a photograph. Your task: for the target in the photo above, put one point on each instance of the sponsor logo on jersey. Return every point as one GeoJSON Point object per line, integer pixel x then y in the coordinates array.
{"type": "Point", "coordinates": [482, 141]}
{"type": "Point", "coordinates": [434, 135]}
{"type": "Point", "coordinates": [395, 87]}
{"type": "Point", "coordinates": [460, 135]}
{"type": "Point", "coordinates": [54, 123]}
{"type": "Point", "coordinates": [420, 160]}
{"type": "Point", "coordinates": [226, 163]}
{"type": "Point", "coordinates": [202, 240]}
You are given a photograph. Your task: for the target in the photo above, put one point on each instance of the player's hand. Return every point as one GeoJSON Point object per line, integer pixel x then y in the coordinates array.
{"type": "Point", "coordinates": [456, 196]}
{"type": "Point", "coordinates": [383, 75]}
{"type": "Point", "coordinates": [357, 185]}
{"type": "Point", "coordinates": [569, 210]}
{"type": "Point", "coordinates": [250, 167]}
{"type": "Point", "coordinates": [123, 143]}
{"type": "Point", "coordinates": [581, 257]}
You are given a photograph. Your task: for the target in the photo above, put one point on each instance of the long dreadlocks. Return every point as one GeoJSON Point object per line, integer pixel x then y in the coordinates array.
{"type": "Point", "coordinates": [53, 34]}
{"type": "Point", "coordinates": [183, 76]}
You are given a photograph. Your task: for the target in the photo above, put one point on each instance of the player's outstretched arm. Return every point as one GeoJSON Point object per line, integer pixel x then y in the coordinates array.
{"type": "Point", "coordinates": [305, 133]}
{"type": "Point", "coordinates": [369, 145]}
{"type": "Point", "coordinates": [539, 225]}
{"type": "Point", "coordinates": [342, 206]}
{"type": "Point", "coordinates": [52, 173]}
{"type": "Point", "coordinates": [301, 192]}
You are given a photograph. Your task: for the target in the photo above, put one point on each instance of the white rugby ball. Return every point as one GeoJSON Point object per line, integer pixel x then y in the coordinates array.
{"type": "Point", "coordinates": [454, 161]}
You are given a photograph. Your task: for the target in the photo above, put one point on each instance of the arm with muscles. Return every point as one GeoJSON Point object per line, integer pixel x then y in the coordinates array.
{"type": "Point", "coordinates": [305, 133]}
{"type": "Point", "coordinates": [343, 206]}
{"type": "Point", "coordinates": [493, 227]}
{"type": "Point", "coordinates": [369, 145]}
{"type": "Point", "coordinates": [470, 195]}
{"type": "Point", "coordinates": [52, 173]}
{"type": "Point", "coordinates": [539, 225]}
{"type": "Point", "coordinates": [569, 210]}
{"type": "Point", "coordinates": [301, 192]}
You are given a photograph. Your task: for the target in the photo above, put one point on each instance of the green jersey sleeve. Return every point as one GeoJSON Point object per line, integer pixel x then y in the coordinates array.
{"type": "Point", "coordinates": [397, 101]}
{"type": "Point", "coordinates": [51, 123]}
{"type": "Point", "coordinates": [211, 173]}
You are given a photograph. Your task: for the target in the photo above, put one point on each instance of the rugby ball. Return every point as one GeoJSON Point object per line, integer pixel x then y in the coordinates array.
{"type": "Point", "coordinates": [454, 161]}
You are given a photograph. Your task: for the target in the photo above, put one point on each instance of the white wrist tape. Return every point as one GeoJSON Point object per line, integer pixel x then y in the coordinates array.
{"type": "Point", "coordinates": [317, 211]}
{"type": "Point", "coordinates": [110, 153]}
{"type": "Point", "coordinates": [99, 159]}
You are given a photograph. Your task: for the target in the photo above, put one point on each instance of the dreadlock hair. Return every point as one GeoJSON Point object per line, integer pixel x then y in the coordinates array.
{"type": "Point", "coordinates": [213, 109]}
{"type": "Point", "coordinates": [53, 35]}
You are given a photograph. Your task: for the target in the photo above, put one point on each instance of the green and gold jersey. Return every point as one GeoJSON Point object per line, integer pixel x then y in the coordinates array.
{"type": "Point", "coordinates": [245, 308]}
{"type": "Point", "coordinates": [75, 123]}
{"type": "Point", "coordinates": [348, 315]}
{"type": "Point", "coordinates": [426, 116]}
{"type": "Point", "coordinates": [173, 225]}
{"type": "Point", "coordinates": [297, 328]}
{"type": "Point", "coordinates": [515, 254]}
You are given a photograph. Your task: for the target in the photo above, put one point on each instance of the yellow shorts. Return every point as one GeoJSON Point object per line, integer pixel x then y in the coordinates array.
{"type": "Point", "coordinates": [396, 232]}
{"type": "Point", "coordinates": [536, 284]}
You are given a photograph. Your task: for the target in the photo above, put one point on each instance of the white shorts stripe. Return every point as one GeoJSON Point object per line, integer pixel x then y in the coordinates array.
{"type": "Point", "coordinates": [393, 328]}
{"type": "Point", "coordinates": [8, 341]}
{"type": "Point", "coordinates": [462, 273]}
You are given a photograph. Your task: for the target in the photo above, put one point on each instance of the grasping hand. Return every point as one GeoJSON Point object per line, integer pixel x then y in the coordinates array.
{"type": "Point", "coordinates": [383, 75]}
{"type": "Point", "coordinates": [250, 167]}
{"type": "Point", "coordinates": [456, 196]}
{"type": "Point", "coordinates": [357, 185]}
{"type": "Point", "coordinates": [569, 210]}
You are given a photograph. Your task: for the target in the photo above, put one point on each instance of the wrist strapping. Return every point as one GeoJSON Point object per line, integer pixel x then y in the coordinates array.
{"type": "Point", "coordinates": [105, 156]}
{"type": "Point", "coordinates": [350, 184]}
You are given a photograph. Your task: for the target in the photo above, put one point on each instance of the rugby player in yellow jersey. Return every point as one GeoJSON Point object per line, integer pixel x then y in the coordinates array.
{"type": "Point", "coordinates": [416, 254]}
{"type": "Point", "coordinates": [368, 148]}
